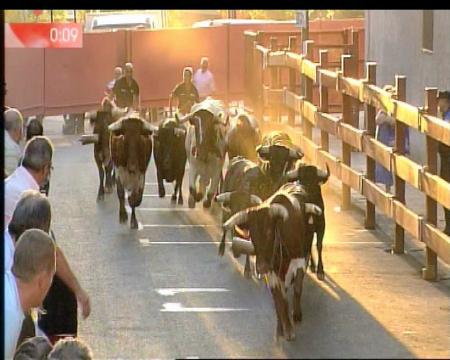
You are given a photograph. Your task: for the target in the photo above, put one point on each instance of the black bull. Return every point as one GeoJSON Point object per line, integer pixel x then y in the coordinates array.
{"type": "Point", "coordinates": [131, 150]}
{"type": "Point", "coordinates": [278, 229]}
{"type": "Point", "coordinates": [170, 156]}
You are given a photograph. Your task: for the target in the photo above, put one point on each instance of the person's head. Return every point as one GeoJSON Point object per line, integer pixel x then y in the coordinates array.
{"type": "Point", "coordinates": [204, 62]}
{"type": "Point", "coordinates": [391, 90]}
{"type": "Point", "coordinates": [34, 265]}
{"type": "Point", "coordinates": [14, 123]}
{"type": "Point", "coordinates": [34, 128]}
{"type": "Point", "coordinates": [70, 349]}
{"type": "Point", "coordinates": [35, 348]}
{"type": "Point", "coordinates": [128, 69]}
{"type": "Point", "coordinates": [33, 211]}
{"type": "Point", "coordinates": [117, 72]}
{"type": "Point", "coordinates": [443, 101]}
{"type": "Point", "coordinates": [187, 74]}
{"type": "Point", "coordinates": [37, 158]}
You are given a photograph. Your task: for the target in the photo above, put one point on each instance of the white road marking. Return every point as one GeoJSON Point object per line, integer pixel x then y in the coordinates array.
{"type": "Point", "coordinates": [147, 242]}
{"type": "Point", "coordinates": [180, 226]}
{"type": "Point", "coordinates": [151, 195]}
{"type": "Point", "coordinates": [173, 291]}
{"type": "Point", "coordinates": [174, 209]}
{"type": "Point", "coordinates": [177, 307]}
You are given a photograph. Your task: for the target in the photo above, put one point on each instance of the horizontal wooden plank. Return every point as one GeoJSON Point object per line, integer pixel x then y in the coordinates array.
{"type": "Point", "coordinates": [437, 188]}
{"type": "Point", "coordinates": [407, 170]}
{"type": "Point", "coordinates": [309, 149]}
{"type": "Point", "coordinates": [351, 135]}
{"type": "Point", "coordinates": [328, 78]}
{"type": "Point", "coordinates": [328, 123]}
{"type": "Point", "coordinates": [381, 199]}
{"type": "Point", "coordinates": [275, 96]}
{"type": "Point", "coordinates": [309, 112]}
{"type": "Point", "coordinates": [293, 101]}
{"type": "Point", "coordinates": [349, 86]}
{"type": "Point", "coordinates": [436, 128]}
{"type": "Point", "coordinates": [406, 113]}
{"type": "Point", "coordinates": [309, 69]}
{"type": "Point", "coordinates": [437, 241]}
{"type": "Point", "coordinates": [325, 158]}
{"type": "Point", "coordinates": [294, 61]}
{"type": "Point", "coordinates": [351, 177]}
{"type": "Point", "coordinates": [377, 151]}
{"type": "Point", "coordinates": [276, 58]}
{"type": "Point", "coordinates": [375, 96]}
{"type": "Point", "coordinates": [406, 218]}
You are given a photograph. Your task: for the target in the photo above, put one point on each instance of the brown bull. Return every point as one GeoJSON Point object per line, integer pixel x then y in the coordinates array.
{"type": "Point", "coordinates": [278, 231]}
{"type": "Point", "coordinates": [131, 150]}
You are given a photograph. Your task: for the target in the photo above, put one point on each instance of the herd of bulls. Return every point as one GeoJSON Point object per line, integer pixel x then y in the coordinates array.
{"type": "Point", "coordinates": [272, 202]}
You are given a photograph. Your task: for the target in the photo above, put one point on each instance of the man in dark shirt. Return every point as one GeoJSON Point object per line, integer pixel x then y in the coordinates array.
{"type": "Point", "coordinates": [185, 92]}
{"type": "Point", "coordinates": [126, 89]}
{"type": "Point", "coordinates": [444, 150]}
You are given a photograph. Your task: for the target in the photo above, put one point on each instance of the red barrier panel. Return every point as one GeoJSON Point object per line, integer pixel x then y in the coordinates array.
{"type": "Point", "coordinates": [24, 78]}
{"type": "Point", "coordinates": [75, 79]}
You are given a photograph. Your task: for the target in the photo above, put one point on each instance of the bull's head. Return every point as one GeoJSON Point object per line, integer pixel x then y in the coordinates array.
{"type": "Point", "coordinates": [308, 175]}
{"type": "Point", "coordinates": [137, 145]}
{"type": "Point", "coordinates": [261, 221]}
{"type": "Point", "coordinates": [280, 159]}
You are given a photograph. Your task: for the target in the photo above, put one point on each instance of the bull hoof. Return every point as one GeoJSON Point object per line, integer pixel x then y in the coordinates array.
{"type": "Point", "coordinates": [247, 274]}
{"type": "Point", "coordinates": [198, 197]}
{"type": "Point", "coordinates": [191, 202]}
{"type": "Point", "coordinates": [108, 189]}
{"type": "Point", "coordinates": [297, 316]}
{"type": "Point", "coordinates": [180, 200]}
{"type": "Point", "coordinates": [100, 197]}
{"type": "Point", "coordinates": [312, 267]}
{"type": "Point", "coordinates": [123, 218]}
{"type": "Point", "coordinates": [173, 199]}
{"type": "Point", "coordinates": [133, 223]}
{"type": "Point", "coordinates": [320, 275]}
{"type": "Point", "coordinates": [222, 249]}
{"type": "Point", "coordinates": [207, 204]}
{"type": "Point", "coordinates": [161, 193]}
{"type": "Point", "coordinates": [290, 335]}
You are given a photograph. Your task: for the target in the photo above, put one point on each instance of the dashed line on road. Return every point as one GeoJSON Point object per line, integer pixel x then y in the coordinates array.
{"type": "Point", "coordinates": [147, 242]}
{"type": "Point", "coordinates": [179, 226]}
{"type": "Point", "coordinates": [173, 291]}
{"type": "Point", "coordinates": [173, 209]}
{"type": "Point", "coordinates": [177, 307]}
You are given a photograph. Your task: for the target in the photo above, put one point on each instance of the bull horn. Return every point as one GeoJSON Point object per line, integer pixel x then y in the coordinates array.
{"type": "Point", "coordinates": [115, 126]}
{"type": "Point", "coordinates": [147, 126]}
{"type": "Point", "coordinates": [255, 199]}
{"type": "Point", "coordinates": [179, 132]}
{"type": "Point", "coordinates": [295, 154]}
{"type": "Point", "coordinates": [278, 210]}
{"type": "Point", "coordinates": [324, 175]}
{"type": "Point", "coordinates": [237, 219]}
{"type": "Point", "coordinates": [182, 119]}
{"type": "Point", "coordinates": [263, 150]}
{"type": "Point", "coordinates": [311, 208]}
{"type": "Point", "coordinates": [224, 197]}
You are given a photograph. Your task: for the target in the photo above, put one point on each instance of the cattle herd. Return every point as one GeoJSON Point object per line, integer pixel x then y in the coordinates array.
{"type": "Point", "coordinates": [271, 201]}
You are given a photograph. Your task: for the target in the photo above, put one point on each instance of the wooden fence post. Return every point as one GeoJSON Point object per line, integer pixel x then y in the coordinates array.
{"type": "Point", "coordinates": [370, 113]}
{"type": "Point", "coordinates": [324, 137]}
{"type": "Point", "coordinates": [347, 114]}
{"type": "Point", "coordinates": [307, 128]}
{"type": "Point", "coordinates": [292, 78]}
{"type": "Point", "coordinates": [399, 148]}
{"type": "Point", "coordinates": [258, 77]}
{"type": "Point", "coordinates": [430, 271]}
{"type": "Point", "coordinates": [274, 110]}
{"type": "Point", "coordinates": [250, 37]}
{"type": "Point", "coordinates": [354, 73]}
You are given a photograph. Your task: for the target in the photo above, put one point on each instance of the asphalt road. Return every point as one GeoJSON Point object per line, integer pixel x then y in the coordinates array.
{"type": "Point", "coordinates": [162, 291]}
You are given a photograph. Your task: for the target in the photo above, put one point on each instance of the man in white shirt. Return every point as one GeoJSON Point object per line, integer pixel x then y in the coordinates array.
{"type": "Point", "coordinates": [204, 80]}
{"type": "Point", "coordinates": [35, 169]}
{"type": "Point", "coordinates": [13, 135]}
{"type": "Point", "coordinates": [28, 282]}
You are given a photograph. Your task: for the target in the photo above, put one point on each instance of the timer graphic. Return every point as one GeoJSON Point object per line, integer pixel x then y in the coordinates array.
{"type": "Point", "coordinates": [43, 35]}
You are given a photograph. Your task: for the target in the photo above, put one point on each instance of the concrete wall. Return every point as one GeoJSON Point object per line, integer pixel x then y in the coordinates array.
{"type": "Point", "coordinates": [394, 41]}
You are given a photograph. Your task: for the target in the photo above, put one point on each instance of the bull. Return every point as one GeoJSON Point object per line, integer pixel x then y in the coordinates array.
{"type": "Point", "coordinates": [170, 156]}
{"type": "Point", "coordinates": [205, 148]}
{"type": "Point", "coordinates": [243, 137]}
{"type": "Point", "coordinates": [312, 178]}
{"type": "Point", "coordinates": [131, 150]}
{"type": "Point", "coordinates": [278, 229]}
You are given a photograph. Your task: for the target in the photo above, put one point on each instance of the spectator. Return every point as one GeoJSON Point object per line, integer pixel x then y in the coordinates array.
{"type": "Point", "coordinates": [13, 135]}
{"type": "Point", "coordinates": [444, 150]}
{"type": "Point", "coordinates": [35, 348]}
{"type": "Point", "coordinates": [126, 89]}
{"type": "Point", "coordinates": [70, 349]}
{"type": "Point", "coordinates": [28, 282]}
{"type": "Point", "coordinates": [204, 80]}
{"type": "Point", "coordinates": [34, 128]}
{"type": "Point", "coordinates": [385, 133]}
{"type": "Point", "coordinates": [185, 92]}
{"type": "Point", "coordinates": [35, 169]}
{"type": "Point", "coordinates": [108, 103]}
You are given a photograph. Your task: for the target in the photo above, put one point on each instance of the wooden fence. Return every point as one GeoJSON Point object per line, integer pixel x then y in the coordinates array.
{"type": "Point", "coordinates": [356, 93]}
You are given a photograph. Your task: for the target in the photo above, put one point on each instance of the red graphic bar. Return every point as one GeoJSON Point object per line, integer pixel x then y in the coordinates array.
{"type": "Point", "coordinates": [43, 35]}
